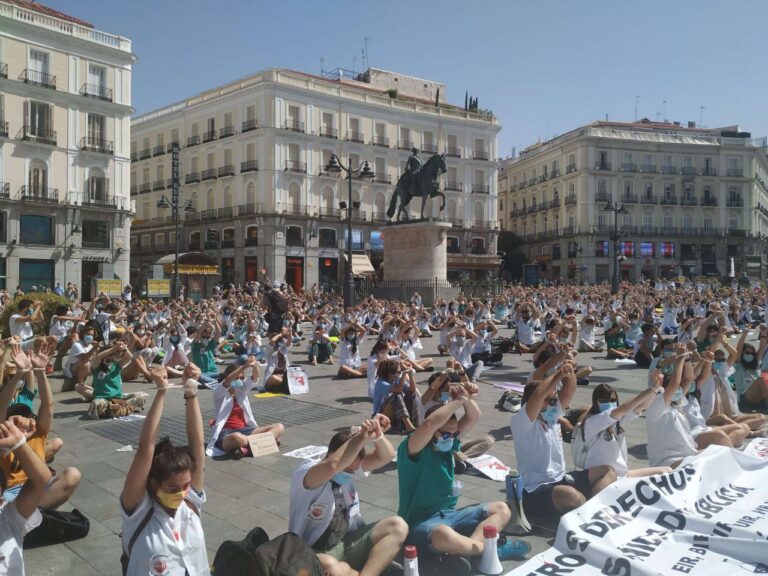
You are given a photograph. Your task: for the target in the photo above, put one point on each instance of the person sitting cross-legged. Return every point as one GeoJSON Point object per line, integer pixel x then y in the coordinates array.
{"type": "Point", "coordinates": [429, 492]}
{"type": "Point", "coordinates": [549, 491]}
{"type": "Point", "coordinates": [325, 507]}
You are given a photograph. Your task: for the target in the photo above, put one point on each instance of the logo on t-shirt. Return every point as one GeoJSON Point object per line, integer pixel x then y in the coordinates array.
{"type": "Point", "coordinates": [317, 511]}
{"type": "Point", "coordinates": [158, 565]}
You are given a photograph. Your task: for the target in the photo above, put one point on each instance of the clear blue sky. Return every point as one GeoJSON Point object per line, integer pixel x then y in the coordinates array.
{"type": "Point", "coordinates": [543, 66]}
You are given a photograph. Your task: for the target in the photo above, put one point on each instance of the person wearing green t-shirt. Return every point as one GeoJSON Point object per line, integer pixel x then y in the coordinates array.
{"type": "Point", "coordinates": [203, 348]}
{"type": "Point", "coordinates": [106, 368]}
{"type": "Point", "coordinates": [429, 492]}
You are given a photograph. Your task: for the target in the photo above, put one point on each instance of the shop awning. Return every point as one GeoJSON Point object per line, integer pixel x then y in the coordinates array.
{"type": "Point", "coordinates": [192, 263]}
{"type": "Point", "coordinates": [361, 265]}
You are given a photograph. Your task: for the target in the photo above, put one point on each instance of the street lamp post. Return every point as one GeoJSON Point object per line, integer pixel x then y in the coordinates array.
{"type": "Point", "coordinates": [174, 206]}
{"type": "Point", "coordinates": [363, 171]}
{"type": "Point", "coordinates": [616, 209]}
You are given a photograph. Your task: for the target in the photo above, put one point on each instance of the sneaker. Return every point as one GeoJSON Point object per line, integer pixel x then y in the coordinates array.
{"type": "Point", "coordinates": [512, 548]}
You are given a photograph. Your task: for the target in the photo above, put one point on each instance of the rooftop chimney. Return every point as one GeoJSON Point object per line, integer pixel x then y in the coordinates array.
{"type": "Point", "coordinates": [676, 123]}
{"type": "Point", "coordinates": [691, 124]}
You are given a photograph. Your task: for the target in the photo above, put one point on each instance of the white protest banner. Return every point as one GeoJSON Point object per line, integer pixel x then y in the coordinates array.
{"type": "Point", "coordinates": [758, 448]}
{"type": "Point", "coordinates": [704, 518]}
{"type": "Point", "coordinates": [298, 383]}
{"type": "Point", "coordinates": [308, 452]}
{"type": "Point", "coordinates": [490, 466]}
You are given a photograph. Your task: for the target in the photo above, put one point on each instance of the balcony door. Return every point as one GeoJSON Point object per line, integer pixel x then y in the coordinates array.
{"type": "Point", "coordinates": [97, 77]}
{"type": "Point", "coordinates": [39, 119]}
{"type": "Point", "coordinates": [38, 178]}
{"type": "Point", "coordinates": [38, 64]}
{"type": "Point", "coordinates": [95, 129]}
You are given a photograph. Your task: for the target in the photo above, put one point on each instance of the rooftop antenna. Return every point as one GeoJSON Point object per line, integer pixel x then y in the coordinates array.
{"type": "Point", "coordinates": [664, 110]}
{"type": "Point", "coordinates": [354, 62]}
{"type": "Point", "coordinates": [637, 97]}
{"type": "Point", "coordinates": [322, 65]}
{"type": "Point", "coordinates": [606, 116]}
{"type": "Point", "coordinates": [701, 116]}
{"type": "Point", "coordinates": [367, 55]}
{"type": "Point", "coordinates": [658, 115]}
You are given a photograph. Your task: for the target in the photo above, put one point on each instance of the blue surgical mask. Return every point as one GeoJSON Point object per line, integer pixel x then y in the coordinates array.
{"type": "Point", "coordinates": [678, 395]}
{"type": "Point", "coordinates": [460, 340]}
{"type": "Point", "coordinates": [719, 366]}
{"type": "Point", "coordinates": [607, 406]}
{"type": "Point", "coordinates": [343, 478]}
{"type": "Point", "coordinates": [87, 338]}
{"type": "Point", "coordinates": [445, 397]}
{"type": "Point", "coordinates": [443, 444]}
{"type": "Point", "coordinates": [692, 388]}
{"type": "Point", "coordinates": [175, 339]}
{"type": "Point", "coordinates": [550, 415]}
{"type": "Point", "coordinates": [236, 383]}
{"type": "Point", "coordinates": [29, 312]}
{"type": "Point", "coordinates": [748, 357]}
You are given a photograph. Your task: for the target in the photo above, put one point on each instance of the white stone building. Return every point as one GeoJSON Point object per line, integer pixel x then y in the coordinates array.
{"type": "Point", "coordinates": [65, 105]}
{"type": "Point", "coordinates": [253, 158]}
{"type": "Point", "coordinates": [694, 199]}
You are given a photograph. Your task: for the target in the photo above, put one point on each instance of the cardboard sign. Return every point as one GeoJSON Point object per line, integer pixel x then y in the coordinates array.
{"type": "Point", "coordinates": [490, 466]}
{"type": "Point", "coordinates": [262, 444]}
{"type": "Point", "coordinates": [308, 453]}
{"type": "Point", "coordinates": [298, 383]}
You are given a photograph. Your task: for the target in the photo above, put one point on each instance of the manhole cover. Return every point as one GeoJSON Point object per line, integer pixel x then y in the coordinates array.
{"type": "Point", "coordinates": [286, 410]}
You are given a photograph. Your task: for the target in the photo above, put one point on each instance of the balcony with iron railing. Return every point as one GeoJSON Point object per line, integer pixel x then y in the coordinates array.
{"type": "Point", "coordinates": [328, 132]}
{"type": "Point", "coordinates": [688, 201]}
{"type": "Point", "coordinates": [96, 91]}
{"type": "Point", "coordinates": [570, 199]}
{"type": "Point", "coordinates": [669, 169]}
{"type": "Point", "coordinates": [648, 168]}
{"type": "Point", "coordinates": [354, 136]}
{"type": "Point", "coordinates": [39, 194]}
{"type": "Point", "coordinates": [457, 222]}
{"type": "Point", "coordinates": [543, 178]}
{"type": "Point", "coordinates": [249, 166]}
{"type": "Point", "coordinates": [629, 167]}
{"type": "Point", "coordinates": [481, 154]}
{"type": "Point", "coordinates": [603, 197]}
{"type": "Point", "coordinates": [554, 203]}
{"type": "Point", "coordinates": [4, 128]}
{"type": "Point", "coordinates": [101, 201]}
{"type": "Point", "coordinates": [531, 181]}
{"type": "Point", "coordinates": [735, 202]}
{"type": "Point", "coordinates": [158, 185]}
{"type": "Point", "coordinates": [144, 188]}
{"type": "Point", "coordinates": [193, 140]}
{"type": "Point", "coordinates": [227, 131]}
{"type": "Point", "coordinates": [249, 125]}
{"type": "Point", "coordinates": [145, 153]}
{"type": "Point", "coordinates": [226, 170]}
{"type": "Point", "coordinates": [629, 198]}
{"type": "Point", "coordinates": [603, 166]}
{"type": "Point", "coordinates": [515, 212]}
{"type": "Point", "coordinates": [532, 209]}
{"type": "Point", "coordinates": [405, 144]}
{"type": "Point", "coordinates": [208, 174]}
{"type": "Point", "coordinates": [570, 168]}
{"type": "Point", "coordinates": [169, 148]}
{"type": "Point", "coordinates": [248, 210]}
{"type": "Point", "coordinates": [39, 135]}
{"type": "Point", "coordinates": [688, 171]}
{"type": "Point", "coordinates": [381, 141]}
{"type": "Point", "coordinates": [649, 199]}
{"type": "Point", "coordinates": [709, 201]}
{"type": "Point", "coordinates": [5, 190]}
{"type": "Point", "coordinates": [481, 188]}
{"type": "Point", "coordinates": [3, 70]}
{"type": "Point", "coordinates": [158, 150]}
{"type": "Point", "coordinates": [453, 151]}
{"type": "Point", "coordinates": [358, 215]}
{"type": "Point", "coordinates": [209, 136]}
{"type": "Point", "coordinates": [295, 166]}
{"type": "Point", "coordinates": [382, 179]}
{"type": "Point", "coordinates": [709, 171]}
{"type": "Point", "coordinates": [192, 177]}
{"type": "Point", "coordinates": [37, 78]}
{"type": "Point", "coordinates": [209, 214]}
{"type": "Point", "coordinates": [295, 209]}
{"type": "Point", "coordinates": [327, 212]}
{"type": "Point", "coordinates": [99, 145]}
{"type": "Point", "coordinates": [293, 126]}
{"type": "Point", "coordinates": [379, 217]}
{"type": "Point", "coordinates": [454, 186]}
{"type": "Point", "coordinates": [226, 212]}
{"type": "Point", "coordinates": [429, 148]}
{"type": "Point", "coordinates": [228, 243]}
{"type": "Point", "coordinates": [735, 172]}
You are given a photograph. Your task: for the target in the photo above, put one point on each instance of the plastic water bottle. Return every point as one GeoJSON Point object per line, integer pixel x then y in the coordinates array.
{"type": "Point", "coordinates": [519, 524]}
{"type": "Point", "coordinates": [489, 562]}
{"type": "Point", "coordinates": [411, 561]}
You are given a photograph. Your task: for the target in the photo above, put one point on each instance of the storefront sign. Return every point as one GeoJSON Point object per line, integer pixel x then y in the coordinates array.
{"type": "Point", "coordinates": [159, 288]}
{"type": "Point", "coordinates": [109, 286]}
{"type": "Point", "coordinates": [193, 269]}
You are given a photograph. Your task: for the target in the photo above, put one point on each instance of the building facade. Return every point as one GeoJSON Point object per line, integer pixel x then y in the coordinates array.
{"type": "Point", "coordinates": [65, 105]}
{"type": "Point", "coordinates": [253, 158]}
{"type": "Point", "coordinates": [693, 198]}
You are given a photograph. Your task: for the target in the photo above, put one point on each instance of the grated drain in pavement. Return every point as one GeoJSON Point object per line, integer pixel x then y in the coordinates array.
{"type": "Point", "coordinates": [286, 410]}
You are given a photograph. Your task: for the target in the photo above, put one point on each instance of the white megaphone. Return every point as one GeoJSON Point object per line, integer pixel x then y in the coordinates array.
{"type": "Point", "coordinates": [489, 562]}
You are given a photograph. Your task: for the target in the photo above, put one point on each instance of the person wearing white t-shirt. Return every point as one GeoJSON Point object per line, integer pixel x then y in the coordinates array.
{"type": "Point", "coordinates": [21, 322]}
{"type": "Point", "coordinates": [462, 341]}
{"type": "Point", "coordinates": [525, 320]}
{"type": "Point", "coordinates": [163, 494]}
{"type": "Point", "coordinates": [17, 518]}
{"type": "Point", "coordinates": [603, 432]}
{"type": "Point", "coordinates": [549, 491]}
{"type": "Point", "coordinates": [351, 338]}
{"type": "Point", "coordinates": [325, 506]}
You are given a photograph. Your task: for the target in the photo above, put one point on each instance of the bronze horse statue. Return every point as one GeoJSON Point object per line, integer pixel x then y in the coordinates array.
{"type": "Point", "coordinates": [423, 183]}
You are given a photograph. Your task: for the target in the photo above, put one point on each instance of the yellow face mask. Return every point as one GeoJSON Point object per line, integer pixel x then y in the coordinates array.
{"type": "Point", "coordinates": [170, 500]}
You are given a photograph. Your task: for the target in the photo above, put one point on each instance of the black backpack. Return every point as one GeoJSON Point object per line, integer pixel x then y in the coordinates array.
{"type": "Point", "coordinates": [257, 555]}
{"type": "Point", "coordinates": [57, 527]}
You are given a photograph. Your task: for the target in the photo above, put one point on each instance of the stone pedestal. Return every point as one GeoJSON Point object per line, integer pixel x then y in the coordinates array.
{"type": "Point", "coordinates": [416, 251]}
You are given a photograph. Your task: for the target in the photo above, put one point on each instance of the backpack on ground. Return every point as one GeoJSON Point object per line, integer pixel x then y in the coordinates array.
{"type": "Point", "coordinates": [579, 445]}
{"type": "Point", "coordinates": [57, 527]}
{"type": "Point", "coordinates": [257, 555]}
{"type": "Point", "coordinates": [509, 402]}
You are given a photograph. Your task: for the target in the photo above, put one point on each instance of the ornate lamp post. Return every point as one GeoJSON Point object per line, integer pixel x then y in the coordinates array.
{"type": "Point", "coordinates": [363, 172]}
{"type": "Point", "coordinates": [164, 203]}
{"type": "Point", "coordinates": [616, 209]}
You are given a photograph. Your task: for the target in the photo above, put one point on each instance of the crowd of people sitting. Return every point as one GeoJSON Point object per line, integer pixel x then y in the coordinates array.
{"type": "Point", "coordinates": [704, 387]}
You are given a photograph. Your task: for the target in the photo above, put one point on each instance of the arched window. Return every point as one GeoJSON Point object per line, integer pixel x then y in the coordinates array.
{"type": "Point", "coordinates": [194, 240]}
{"type": "Point", "coordinates": [211, 238]}
{"type": "Point", "coordinates": [252, 236]}
{"type": "Point", "coordinates": [294, 236]}
{"type": "Point", "coordinates": [228, 238]}
{"type": "Point", "coordinates": [477, 246]}
{"type": "Point", "coordinates": [453, 245]}
{"type": "Point", "coordinates": [327, 238]}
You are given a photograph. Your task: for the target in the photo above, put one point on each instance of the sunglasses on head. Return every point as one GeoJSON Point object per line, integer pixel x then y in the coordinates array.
{"type": "Point", "coordinates": [446, 435]}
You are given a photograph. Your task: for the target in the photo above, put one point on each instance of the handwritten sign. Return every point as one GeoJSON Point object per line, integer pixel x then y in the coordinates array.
{"type": "Point", "coordinates": [262, 444]}
{"type": "Point", "coordinates": [308, 453]}
{"type": "Point", "coordinates": [490, 466]}
{"type": "Point", "coordinates": [298, 383]}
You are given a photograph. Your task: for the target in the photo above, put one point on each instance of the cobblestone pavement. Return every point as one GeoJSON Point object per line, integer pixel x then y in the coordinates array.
{"type": "Point", "coordinates": [254, 492]}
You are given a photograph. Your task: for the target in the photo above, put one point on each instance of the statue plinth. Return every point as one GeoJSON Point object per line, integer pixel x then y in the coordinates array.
{"type": "Point", "coordinates": [416, 251]}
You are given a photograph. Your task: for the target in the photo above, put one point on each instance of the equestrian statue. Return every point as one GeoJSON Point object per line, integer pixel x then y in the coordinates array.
{"type": "Point", "coordinates": [417, 180]}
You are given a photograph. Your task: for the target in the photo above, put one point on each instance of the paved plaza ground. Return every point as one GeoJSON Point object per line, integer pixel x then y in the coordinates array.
{"type": "Point", "coordinates": [254, 492]}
